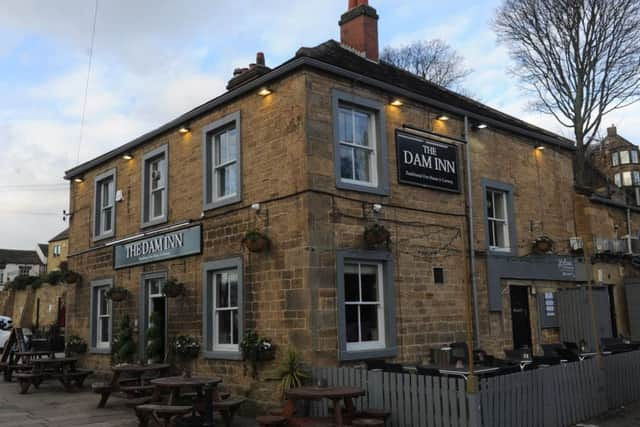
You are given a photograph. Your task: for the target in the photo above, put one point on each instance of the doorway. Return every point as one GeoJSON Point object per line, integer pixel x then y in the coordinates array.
{"type": "Point", "coordinates": [520, 319]}
{"type": "Point", "coordinates": [155, 306]}
{"type": "Point", "coordinates": [612, 311]}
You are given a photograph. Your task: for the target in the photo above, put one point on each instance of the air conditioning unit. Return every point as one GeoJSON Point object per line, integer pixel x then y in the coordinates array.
{"type": "Point", "coordinates": [602, 246]}
{"type": "Point", "coordinates": [576, 244]}
{"type": "Point", "coordinates": [619, 246]}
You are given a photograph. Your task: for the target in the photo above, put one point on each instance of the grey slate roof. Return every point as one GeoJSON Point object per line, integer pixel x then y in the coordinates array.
{"type": "Point", "coordinates": [44, 248]}
{"type": "Point", "coordinates": [63, 235]}
{"type": "Point", "coordinates": [16, 256]}
{"type": "Point", "coordinates": [331, 57]}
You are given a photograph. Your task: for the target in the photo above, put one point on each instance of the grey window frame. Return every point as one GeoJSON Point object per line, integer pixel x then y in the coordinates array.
{"type": "Point", "coordinates": [615, 159]}
{"type": "Point", "coordinates": [93, 313]}
{"type": "Point", "coordinates": [386, 259]}
{"type": "Point", "coordinates": [377, 110]}
{"type": "Point", "coordinates": [208, 199]}
{"type": "Point", "coordinates": [97, 210]}
{"type": "Point", "coordinates": [489, 184]}
{"type": "Point", "coordinates": [207, 308]}
{"type": "Point", "coordinates": [145, 210]}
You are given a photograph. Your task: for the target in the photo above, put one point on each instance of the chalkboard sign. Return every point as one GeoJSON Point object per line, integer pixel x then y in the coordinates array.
{"type": "Point", "coordinates": [427, 163]}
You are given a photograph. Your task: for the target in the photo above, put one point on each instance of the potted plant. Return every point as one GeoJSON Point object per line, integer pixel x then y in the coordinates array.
{"type": "Point", "coordinates": [124, 347]}
{"type": "Point", "coordinates": [186, 348]}
{"type": "Point", "coordinates": [376, 234]}
{"type": "Point", "coordinates": [55, 277]}
{"type": "Point", "coordinates": [76, 345]}
{"type": "Point", "coordinates": [71, 277]}
{"type": "Point", "coordinates": [542, 245]}
{"type": "Point", "coordinates": [172, 288]}
{"type": "Point", "coordinates": [256, 348]}
{"type": "Point", "coordinates": [256, 241]}
{"type": "Point", "coordinates": [117, 293]}
{"type": "Point", "coordinates": [153, 349]}
{"type": "Point", "coordinates": [292, 372]}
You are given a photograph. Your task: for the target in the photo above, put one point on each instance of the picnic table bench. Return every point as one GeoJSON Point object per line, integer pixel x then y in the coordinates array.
{"type": "Point", "coordinates": [135, 386]}
{"type": "Point", "coordinates": [62, 369]}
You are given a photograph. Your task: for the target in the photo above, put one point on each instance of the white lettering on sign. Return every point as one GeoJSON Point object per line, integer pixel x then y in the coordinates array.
{"type": "Point", "coordinates": [154, 246]}
{"type": "Point", "coordinates": [429, 161]}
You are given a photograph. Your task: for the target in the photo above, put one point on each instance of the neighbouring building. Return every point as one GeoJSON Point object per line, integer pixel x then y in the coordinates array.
{"type": "Point", "coordinates": [58, 250]}
{"type": "Point", "coordinates": [311, 154]}
{"type": "Point", "coordinates": [14, 262]}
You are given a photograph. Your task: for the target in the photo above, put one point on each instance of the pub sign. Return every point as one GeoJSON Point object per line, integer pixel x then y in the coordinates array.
{"type": "Point", "coordinates": [159, 247]}
{"type": "Point", "coordinates": [427, 163]}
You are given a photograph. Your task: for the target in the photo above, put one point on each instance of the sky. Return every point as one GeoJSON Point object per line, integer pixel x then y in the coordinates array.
{"type": "Point", "coordinates": [155, 59]}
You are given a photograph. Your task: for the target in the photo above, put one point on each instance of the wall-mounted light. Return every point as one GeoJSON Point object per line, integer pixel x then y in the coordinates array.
{"type": "Point", "coordinates": [184, 129]}
{"type": "Point", "coordinates": [397, 103]}
{"type": "Point", "coordinates": [78, 179]}
{"type": "Point", "coordinates": [377, 208]}
{"type": "Point", "coordinates": [540, 147]}
{"type": "Point", "coordinates": [265, 91]}
{"type": "Point", "coordinates": [443, 117]}
{"type": "Point", "coordinates": [482, 126]}
{"type": "Point", "coordinates": [127, 156]}
{"type": "Point", "coordinates": [256, 207]}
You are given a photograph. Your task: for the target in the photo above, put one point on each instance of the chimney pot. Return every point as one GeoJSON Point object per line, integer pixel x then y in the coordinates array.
{"type": "Point", "coordinates": [260, 58]}
{"type": "Point", "coordinates": [359, 28]}
{"type": "Point", "coordinates": [612, 131]}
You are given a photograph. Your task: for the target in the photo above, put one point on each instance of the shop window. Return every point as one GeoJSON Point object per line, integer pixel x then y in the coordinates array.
{"type": "Point", "coordinates": [366, 305]}
{"type": "Point", "coordinates": [104, 205]}
{"type": "Point", "coordinates": [360, 144]}
{"type": "Point", "coordinates": [155, 179]}
{"type": "Point", "coordinates": [222, 162]}
{"type": "Point", "coordinates": [222, 311]}
{"type": "Point", "coordinates": [100, 310]}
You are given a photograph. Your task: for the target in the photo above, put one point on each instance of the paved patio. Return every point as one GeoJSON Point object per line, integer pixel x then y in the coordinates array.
{"type": "Point", "coordinates": [51, 406]}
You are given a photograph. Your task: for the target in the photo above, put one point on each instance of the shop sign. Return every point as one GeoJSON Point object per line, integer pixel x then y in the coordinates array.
{"type": "Point", "coordinates": [160, 247]}
{"type": "Point", "coordinates": [427, 163]}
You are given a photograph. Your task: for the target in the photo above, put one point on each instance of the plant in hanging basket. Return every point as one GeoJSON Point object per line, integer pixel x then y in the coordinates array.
{"type": "Point", "coordinates": [72, 277]}
{"type": "Point", "coordinates": [376, 234]}
{"type": "Point", "coordinates": [256, 241]}
{"type": "Point", "coordinates": [64, 266]}
{"type": "Point", "coordinates": [172, 288]}
{"type": "Point", "coordinates": [75, 344]}
{"type": "Point", "coordinates": [542, 245]}
{"type": "Point", "coordinates": [117, 294]}
{"type": "Point", "coordinates": [256, 348]}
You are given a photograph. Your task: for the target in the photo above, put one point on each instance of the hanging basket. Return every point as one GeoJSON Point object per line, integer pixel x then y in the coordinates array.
{"type": "Point", "coordinates": [71, 277]}
{"type": "Point", "coordinates": [376, 234]}
{"type": "Point", "coordinates": [173, 289]}
{"type": "Point", "coordinates": [117, 294]}
{"type": "Point", "coordinates": [256, 241]}
{"type": "Point", "coordinates": [542, 245]}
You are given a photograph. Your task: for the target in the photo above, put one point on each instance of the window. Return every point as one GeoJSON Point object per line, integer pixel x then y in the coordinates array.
{"type": "Point", "coordinates": [636, 178]}
{"type": "Point", "coordinates": [360, 146]}
{"type": "Point", "coordinates": [223, 314]}
{"type": "Point", "coordinates": [626, 179]}
{"type": "Point", "coordinates": [104, 205]}
{"type": "Point", "coordinates": [156, 183]}
{"type": "Point", "coordinates": [615, 159]}
{"type": "Point", "coordinates": [57, 250]}
{"type": "Point", "coordinates": [366, 305]}
{"type": "Point", "coordinates": [357, 146]}
{"type": "Point", "coordinates": [24, 270]}
{"type": "Point", "coordinates": [1, 276]}
{"type": "Point", "coordinates": [634, 156]}
{"type": "Point", "coordinates": [100, 316]}
{"type": "Point", "coordinates": [222, 173]}
{"type": "Point", "coordinates": [624, 157]}
{"type": "Point", "coordinates": [438, 275]}
{"type": "Point", "coordinates": [617, 178]}
{"type": "Point", "coordinates": [497, 218]}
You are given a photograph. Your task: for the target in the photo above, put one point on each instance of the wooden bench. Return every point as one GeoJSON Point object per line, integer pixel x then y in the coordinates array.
{"type": "Point", "coordinates": [227, 408]}
{"type": "Point", "coordinates": [166, 412]}
{"type": "Point", "coordinates": [25, 379]}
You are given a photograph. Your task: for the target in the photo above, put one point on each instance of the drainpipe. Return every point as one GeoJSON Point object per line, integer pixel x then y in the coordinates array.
{"type": "Point", "coordinates": [472, 257]}
{"type": "Point", "coordinates": [629, 249]}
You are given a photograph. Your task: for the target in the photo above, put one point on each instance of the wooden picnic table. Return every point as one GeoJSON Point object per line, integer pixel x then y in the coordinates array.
{"type": "Point", "coordinates": [134, 383]}
{"type": "Point", "coordinates": [63, 369]}
{"type": "Point", "coordinates": [335, 394]}
{"type": "Point", "coordinates": [175, 384]}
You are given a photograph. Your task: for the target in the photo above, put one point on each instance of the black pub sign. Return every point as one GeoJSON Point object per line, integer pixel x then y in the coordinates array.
{"type": "Point", "coordinates": [427, 163]}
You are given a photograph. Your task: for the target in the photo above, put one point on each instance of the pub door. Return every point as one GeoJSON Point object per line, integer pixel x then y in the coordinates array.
{"type": "Point", "coordinates": [155, 303]}
{"type": "Point", "coordinates": [520, 320]}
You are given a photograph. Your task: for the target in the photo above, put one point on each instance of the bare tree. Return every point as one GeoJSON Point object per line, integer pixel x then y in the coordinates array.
{"type": "Point", "coordinates": [432, 60]}
{"type": "Point", "coordinates": [581, 59]}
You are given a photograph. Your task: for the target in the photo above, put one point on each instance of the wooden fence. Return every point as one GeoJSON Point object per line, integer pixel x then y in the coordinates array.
{"type": "Point", "coordinates": [556, 396]}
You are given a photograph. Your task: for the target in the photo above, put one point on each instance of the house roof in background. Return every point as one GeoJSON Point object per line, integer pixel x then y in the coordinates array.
{"type": "Point", "coordinates": [44, 248]}
{"type": "Point", "coordinates": [63, 235]}
{"type": "Point", "coordinates": [17, 256]}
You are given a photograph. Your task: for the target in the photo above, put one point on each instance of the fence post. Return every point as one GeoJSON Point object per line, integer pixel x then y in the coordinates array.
{"type": "Point", "coordinates": [374, 388]}
{"type": "Point", "coordinates": [475, 417]}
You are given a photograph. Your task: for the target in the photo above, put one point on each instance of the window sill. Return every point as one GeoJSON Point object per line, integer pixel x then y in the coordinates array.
{"type": "Point", "coordinates": [100, 238]}
{"type": "Point", "coordinates": [154, 222]}
{"type": "Point", "coordinates": [223, 355]}
{"type": "Point", "coordinates": [379, 189]}
{"type": "Point", "coordinates": [219, 203]}
{"type": "Point", "coordinates": [369, 354]}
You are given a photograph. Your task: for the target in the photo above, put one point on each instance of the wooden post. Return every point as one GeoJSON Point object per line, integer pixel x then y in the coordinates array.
{"type": "Point", "coordinates": [594, 324]}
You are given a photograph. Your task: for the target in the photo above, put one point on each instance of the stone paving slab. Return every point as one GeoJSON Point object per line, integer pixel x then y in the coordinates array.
{"type": "Point", "coordinates": [51, 406]}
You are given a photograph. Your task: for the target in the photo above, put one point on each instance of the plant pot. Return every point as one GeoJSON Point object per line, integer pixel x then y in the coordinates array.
{"type": "Point", "coordinates": [257, 244]}
{"type": "Point", "coordinates": [118, 296]}
{"type": "Point", "coordinates": [173, 291]}
{"type": "Point", "coordinates": [266, 355]}
{"type": "Point", "coordinates": [76, 348]}
{"type": "Point", "coordinates": [376, 236]}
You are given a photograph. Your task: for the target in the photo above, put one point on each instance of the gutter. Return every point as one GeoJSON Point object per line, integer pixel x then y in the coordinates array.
{"type": "Point", "coordinates": [287, 68]}
{"type": "Point", "coordinates": [609, 202]}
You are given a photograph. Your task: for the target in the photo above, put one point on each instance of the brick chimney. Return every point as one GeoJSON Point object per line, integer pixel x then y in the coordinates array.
{"type": "Point", "coordinates": [359, 28]}
{"type": "Point", "coordinates": [612, 131]}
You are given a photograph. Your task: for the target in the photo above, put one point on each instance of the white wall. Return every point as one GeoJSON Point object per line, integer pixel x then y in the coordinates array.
{"type": "Point", "coordinates": [12, 270]}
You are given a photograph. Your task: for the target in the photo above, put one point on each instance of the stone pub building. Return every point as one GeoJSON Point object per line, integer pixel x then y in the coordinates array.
{"type": "Point", "coordinates": [311, 153]}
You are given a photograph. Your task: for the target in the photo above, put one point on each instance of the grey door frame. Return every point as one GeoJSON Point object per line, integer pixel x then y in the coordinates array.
{"type": "Point", "coordinates": [144, 311]}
